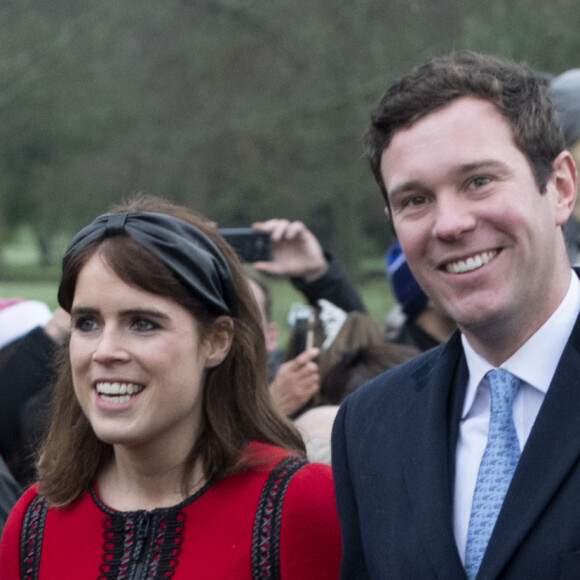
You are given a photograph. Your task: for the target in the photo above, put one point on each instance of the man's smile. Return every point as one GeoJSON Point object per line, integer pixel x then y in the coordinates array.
{"type": "Point", "coordinates": [469, 264]}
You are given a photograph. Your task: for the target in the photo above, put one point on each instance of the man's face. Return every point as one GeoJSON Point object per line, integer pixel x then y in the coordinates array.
{"type": "Point", "coordinates": [478, 235]}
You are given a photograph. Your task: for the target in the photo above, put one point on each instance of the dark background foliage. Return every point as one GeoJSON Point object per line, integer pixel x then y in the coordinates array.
{"type": "Point", "coordinates": [244, 110]}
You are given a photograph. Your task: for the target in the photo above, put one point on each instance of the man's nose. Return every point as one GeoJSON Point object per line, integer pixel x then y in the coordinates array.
{"type": "Point", "coordinates": [453, 217]}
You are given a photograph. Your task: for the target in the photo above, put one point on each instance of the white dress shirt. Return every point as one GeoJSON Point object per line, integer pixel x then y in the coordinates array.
{"type": "Point", "coordinates": [534, 363]}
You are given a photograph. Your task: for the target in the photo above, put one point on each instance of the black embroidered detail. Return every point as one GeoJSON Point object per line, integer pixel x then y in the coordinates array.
{"type": "Point", "coordinates": [31, 538]}
{"type": "Point", "coordinates": [141, 544]}
{"type": "Point", "coordinates": [266, 535]}
{"type": "Point", "coordinates": [136, 545]}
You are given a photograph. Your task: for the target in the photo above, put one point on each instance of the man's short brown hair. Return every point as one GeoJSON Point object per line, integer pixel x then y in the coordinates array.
{"type": "Point", "coordinates": [517, 92]}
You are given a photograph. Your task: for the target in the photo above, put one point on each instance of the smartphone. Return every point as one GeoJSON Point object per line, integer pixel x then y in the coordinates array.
{"type": "Point", "coordinates": [250, 245]}
{"type": "Point", "coordinates": [303, 333]}
{"type": "Point", "coordinates": [302, 318]}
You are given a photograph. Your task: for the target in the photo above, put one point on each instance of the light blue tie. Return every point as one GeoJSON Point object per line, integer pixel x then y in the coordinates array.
{"type": "Point", "coordinates": [496, 469]}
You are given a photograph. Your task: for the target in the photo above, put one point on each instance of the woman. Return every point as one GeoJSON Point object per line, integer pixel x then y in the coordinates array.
{"type": "Point", "coordinates": [164, 456]}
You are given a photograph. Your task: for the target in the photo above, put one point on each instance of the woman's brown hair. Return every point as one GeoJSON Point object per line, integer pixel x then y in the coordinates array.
{"type": "Point", "coordinates": [236, 404]}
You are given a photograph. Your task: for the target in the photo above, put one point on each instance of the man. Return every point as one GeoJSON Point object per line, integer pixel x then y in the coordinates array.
{"type": "Point", "coordinates": [565, 93]}
{"type": "Point", "coordinates": [477, 184]}
{"type": "Point", "coordinates": [27, 375]}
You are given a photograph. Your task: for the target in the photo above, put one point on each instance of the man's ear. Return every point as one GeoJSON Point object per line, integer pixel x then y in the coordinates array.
{"type": "Point", "coordinates": [565, 179]}
{"type": "Point", "coordinates": [388, 214]}
{"type": "Point", "coordinates": [218, 341]}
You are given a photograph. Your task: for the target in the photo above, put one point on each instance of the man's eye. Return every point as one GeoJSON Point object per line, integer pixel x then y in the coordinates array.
{"type": "Point", "coordinates": [414, 200]}
{"type": "Point", "coordinates": [480, 181]}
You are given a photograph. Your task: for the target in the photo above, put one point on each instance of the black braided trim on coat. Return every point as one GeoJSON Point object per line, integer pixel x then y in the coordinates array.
{"type": "Point", "coordinates": [31, 538]}
{"type": "Point", "coordinates": [266, 535]}
{"type": "Point", "coordinates": [142, 544]}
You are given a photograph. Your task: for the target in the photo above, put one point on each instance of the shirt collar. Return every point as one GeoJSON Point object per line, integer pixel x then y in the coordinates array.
{"type": "Point", "coordinates": [536, 360]}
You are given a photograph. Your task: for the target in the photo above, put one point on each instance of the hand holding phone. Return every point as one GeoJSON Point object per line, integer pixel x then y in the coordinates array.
{"type": "Point", "coordinates": [302, 318]}
{"type": "Point", "coordinates": [295, 250]}
{"type": "Point", "coordinates": [250, 245]}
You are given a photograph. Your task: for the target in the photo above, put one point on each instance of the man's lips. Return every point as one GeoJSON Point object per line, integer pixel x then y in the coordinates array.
{"type": "Point", "coordinates": [470, 264]}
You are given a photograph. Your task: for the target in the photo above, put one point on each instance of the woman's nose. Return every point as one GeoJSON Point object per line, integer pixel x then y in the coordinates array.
{"type": "Point", "coordinates": [110, 347]}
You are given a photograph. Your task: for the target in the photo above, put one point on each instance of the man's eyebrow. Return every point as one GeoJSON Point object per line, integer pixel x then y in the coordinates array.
{"type": "Point", "coordinates": [465, 169]}
{"type": "Point", "coordinates": [413, 185]}
{"type": "Point", "coordinates": [481, 165]}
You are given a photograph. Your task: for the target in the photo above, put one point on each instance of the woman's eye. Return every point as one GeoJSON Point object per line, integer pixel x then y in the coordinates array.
{"type": "Point", "coordinates": [144, 325]}
{"type": "Point", "coordinates": [84, 324]}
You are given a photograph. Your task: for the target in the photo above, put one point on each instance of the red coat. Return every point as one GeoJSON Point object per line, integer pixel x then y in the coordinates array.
{"type": "Point", "coordinates": [210, 535]}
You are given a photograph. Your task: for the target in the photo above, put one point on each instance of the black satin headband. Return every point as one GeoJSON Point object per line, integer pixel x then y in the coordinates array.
{"type": "Point", "coordinates": [184, 249]}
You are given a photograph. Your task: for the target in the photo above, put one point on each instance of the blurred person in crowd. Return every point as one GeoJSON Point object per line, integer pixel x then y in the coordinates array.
{"type": "Point", "coordinates": [292, 382]}
{"type": "Point", "coordinates": [357, 353]}
{"type": "Point", "coordinates": [18, 317]}
{"type": "Point", "coordinates": [565, 93]}
{"type": "Point", "coordinates": [359, 365]}
{"type": "Point", "coordinates": [424, 324]}
{"type": "Point", "coordinates": [298, 255]}
{"type": "Point", "coordinates": [463, 462]}
{"type": "Point", "coordinates": [27, 375]}
{"type": "Point", "coordinates": [358, 331]}
{"type": "Point", "coordinates": [164, 455]}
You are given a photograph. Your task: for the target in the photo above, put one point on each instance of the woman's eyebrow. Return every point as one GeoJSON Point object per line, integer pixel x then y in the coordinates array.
{"type": "Point", "coordinates": [90, 310]}
{"type": "Point", "coordinates": [143, 312]}
{"type": "Point", "coordinates": [83, 310]}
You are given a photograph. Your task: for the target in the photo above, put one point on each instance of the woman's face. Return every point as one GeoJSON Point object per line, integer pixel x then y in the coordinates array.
{"type": "Point", "coordinates": [138, 362]}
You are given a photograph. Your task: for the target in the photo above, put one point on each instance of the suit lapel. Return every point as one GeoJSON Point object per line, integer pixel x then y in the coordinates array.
{"type": "Point", "coordinates": [541, 470]}
{"type": "Point", "coordinates": [429, 464]}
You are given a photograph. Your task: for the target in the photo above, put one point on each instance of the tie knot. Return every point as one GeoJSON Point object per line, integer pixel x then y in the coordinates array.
{"type": "Point", "coordinates": [504, 387]}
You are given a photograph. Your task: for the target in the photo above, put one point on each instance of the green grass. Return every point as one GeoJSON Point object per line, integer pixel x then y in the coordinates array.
{"type": "Point", "coordinates": [21, 276]}
{"type": "Point", "coordinates": [43, 291]}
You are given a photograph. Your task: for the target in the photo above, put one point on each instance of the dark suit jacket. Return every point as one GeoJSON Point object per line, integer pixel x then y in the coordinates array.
{"type": "Point", "coordinates": [393, 458]}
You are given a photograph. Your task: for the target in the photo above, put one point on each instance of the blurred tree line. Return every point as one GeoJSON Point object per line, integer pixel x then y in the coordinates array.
{"type": "Point", "coordinates": [241, 109]}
